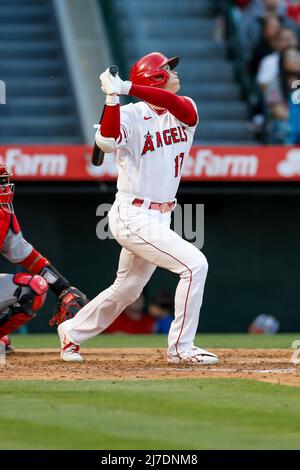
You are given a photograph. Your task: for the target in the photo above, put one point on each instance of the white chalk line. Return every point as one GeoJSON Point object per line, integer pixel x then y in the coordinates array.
{"type": "Point", "coordinates": [291, 370]}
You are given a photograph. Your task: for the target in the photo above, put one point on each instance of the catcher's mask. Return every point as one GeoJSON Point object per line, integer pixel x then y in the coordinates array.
{"type": "Point", "coordinates": [6, 189]}
{"type": "Point", "coordinates": [148, 70]}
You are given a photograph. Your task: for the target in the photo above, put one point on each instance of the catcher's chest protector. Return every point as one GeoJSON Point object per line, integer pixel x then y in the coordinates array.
{"type": "Point", "coordinates": [6, 220]}
{"type": "Point", "coordinates": [4, 225]}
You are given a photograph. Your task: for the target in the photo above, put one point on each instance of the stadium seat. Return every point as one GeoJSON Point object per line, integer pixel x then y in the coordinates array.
{"type": "Point", "coordinates": [187, 28]}
{"type": "Point", "coordinates": [40, 105]}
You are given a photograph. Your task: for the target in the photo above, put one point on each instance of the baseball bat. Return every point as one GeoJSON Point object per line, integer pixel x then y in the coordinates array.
{"type": "Point", "coordinates": [98, 154]}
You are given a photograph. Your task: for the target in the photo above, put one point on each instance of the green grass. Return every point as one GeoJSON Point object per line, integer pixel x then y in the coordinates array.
{"type": "Point", "coordinates": [177, 414]}
{"type": "Point", "coordinates": [149, 341]}
{"type": "Point", "coordinates": [144, 414]}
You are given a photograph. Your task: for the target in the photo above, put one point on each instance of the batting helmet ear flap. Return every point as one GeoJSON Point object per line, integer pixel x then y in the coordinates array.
{"type": "Point", "coordinates": [148, 70]}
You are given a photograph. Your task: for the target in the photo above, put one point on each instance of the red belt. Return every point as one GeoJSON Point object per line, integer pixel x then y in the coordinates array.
{"type": "Point", "coordinates": [159, 206]}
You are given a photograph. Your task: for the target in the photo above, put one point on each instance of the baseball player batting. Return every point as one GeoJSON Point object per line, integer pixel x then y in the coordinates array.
{"type": "Point", "coordinates": [23, 294]}
{"type": "Point", "coordinates": [151, 138]}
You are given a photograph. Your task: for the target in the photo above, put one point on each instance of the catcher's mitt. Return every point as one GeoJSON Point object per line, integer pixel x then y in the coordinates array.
{"type": "Point", "coordinates": [70, 301]}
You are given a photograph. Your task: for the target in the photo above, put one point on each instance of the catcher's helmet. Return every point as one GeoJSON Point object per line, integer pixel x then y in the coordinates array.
{"type": "Point", "coordinates": [148, 71]}
{"type": "Point", "coordinates": [6, 188]}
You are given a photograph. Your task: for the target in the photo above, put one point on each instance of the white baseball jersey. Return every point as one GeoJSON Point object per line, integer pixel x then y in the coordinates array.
{"type": "Point", "coordinates": [151, 152]}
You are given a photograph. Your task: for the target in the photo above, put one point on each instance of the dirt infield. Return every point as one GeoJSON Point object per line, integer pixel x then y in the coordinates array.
{"type": "Point", "coordinates": [266, 365]}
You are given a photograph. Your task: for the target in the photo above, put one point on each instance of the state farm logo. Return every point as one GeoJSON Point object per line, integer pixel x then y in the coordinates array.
{"type": "Point", "coordinates": [34, 164]}
{"type": "Point", "coordinates": [291, 165]}
{"type": "Point", "coordinates": [207, 163]}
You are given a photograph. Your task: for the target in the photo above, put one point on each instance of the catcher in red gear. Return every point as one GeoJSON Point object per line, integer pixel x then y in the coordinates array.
{"type": "Point", "coordinates": [23, 294]}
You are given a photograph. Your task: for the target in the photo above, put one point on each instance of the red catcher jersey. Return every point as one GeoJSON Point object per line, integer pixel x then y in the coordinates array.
{"type": "Point", "coordinates": [13, 246]}
{"type": "Point", "coordinates": [5, 218]}
{"type": "Point", "coordinates": [151, 152]}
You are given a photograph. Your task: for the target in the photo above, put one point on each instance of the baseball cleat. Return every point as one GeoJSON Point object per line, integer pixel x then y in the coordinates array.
{"type": "Point", "coordinates": [197, 356]}
{"type": "Point", "coordinates": [7, 343]}
{"type": "Point", "coordinates": [69, 351]}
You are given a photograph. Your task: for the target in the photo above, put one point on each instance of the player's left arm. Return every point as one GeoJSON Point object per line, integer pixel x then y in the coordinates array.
{"type": "Point", "coordinates": [180, 106]}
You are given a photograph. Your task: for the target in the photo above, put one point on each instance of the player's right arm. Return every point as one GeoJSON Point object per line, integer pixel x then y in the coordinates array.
{"type": "Point", "coordinates": [108, 134]}
{"type": "Point", "coordinates": [114, 130]}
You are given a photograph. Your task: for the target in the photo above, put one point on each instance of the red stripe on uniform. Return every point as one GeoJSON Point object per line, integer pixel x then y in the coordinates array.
{"type": "Point", "coordinates": [125, 132]}
{"type": "Point", "coordinates": [176, 259]}
{"type": "Point", "coordinates": [35, 262]}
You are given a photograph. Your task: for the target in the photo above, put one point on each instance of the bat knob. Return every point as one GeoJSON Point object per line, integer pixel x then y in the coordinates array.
{"type": "Point", "coordinates": [113, 70]}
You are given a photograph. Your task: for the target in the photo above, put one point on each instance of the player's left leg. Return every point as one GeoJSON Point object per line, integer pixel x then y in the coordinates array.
{"type": "Point", "coordinates": [133, 273]}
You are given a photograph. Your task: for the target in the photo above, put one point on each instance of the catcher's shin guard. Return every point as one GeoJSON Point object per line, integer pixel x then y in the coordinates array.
{"type": "Point", "coordinates": [14, 322]}
{"type": "Point", "coordinates": [30, 293]}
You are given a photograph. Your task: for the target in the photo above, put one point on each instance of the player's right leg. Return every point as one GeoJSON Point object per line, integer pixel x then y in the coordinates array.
{"type": "Point", "coordinates": [133, 274]}
{"type": "Point", "coordinates": [147, 234]}
{"type": "Point", "coordinates": [21, 296]}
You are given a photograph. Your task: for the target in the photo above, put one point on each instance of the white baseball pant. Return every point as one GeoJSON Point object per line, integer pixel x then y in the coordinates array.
{"type": "Point", "coordinates": [147, 242]}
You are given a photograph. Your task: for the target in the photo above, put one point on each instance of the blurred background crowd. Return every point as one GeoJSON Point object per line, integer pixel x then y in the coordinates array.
{"type": "Point", "coordinates": [239, 60]}
{"type": "Point", "coordinates": [267, 38]}
{"type": "Point", "coordinates": [138, 318]}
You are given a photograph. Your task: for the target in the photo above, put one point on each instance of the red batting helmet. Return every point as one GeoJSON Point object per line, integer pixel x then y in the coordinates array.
{"type": "Point", "coordinates": [6, 188]}
{"type": "Point", "coordinates": [148, 70]}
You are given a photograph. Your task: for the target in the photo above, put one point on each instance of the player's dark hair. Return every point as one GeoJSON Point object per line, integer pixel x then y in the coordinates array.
{"type": "Point", "coordinates": [284, 75]}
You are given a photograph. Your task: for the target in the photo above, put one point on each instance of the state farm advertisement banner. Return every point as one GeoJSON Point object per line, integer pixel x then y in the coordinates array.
{"type": "Point", "coordinates": [205, 163]}
{"type": "Point", "coordinates": [267, 163]}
